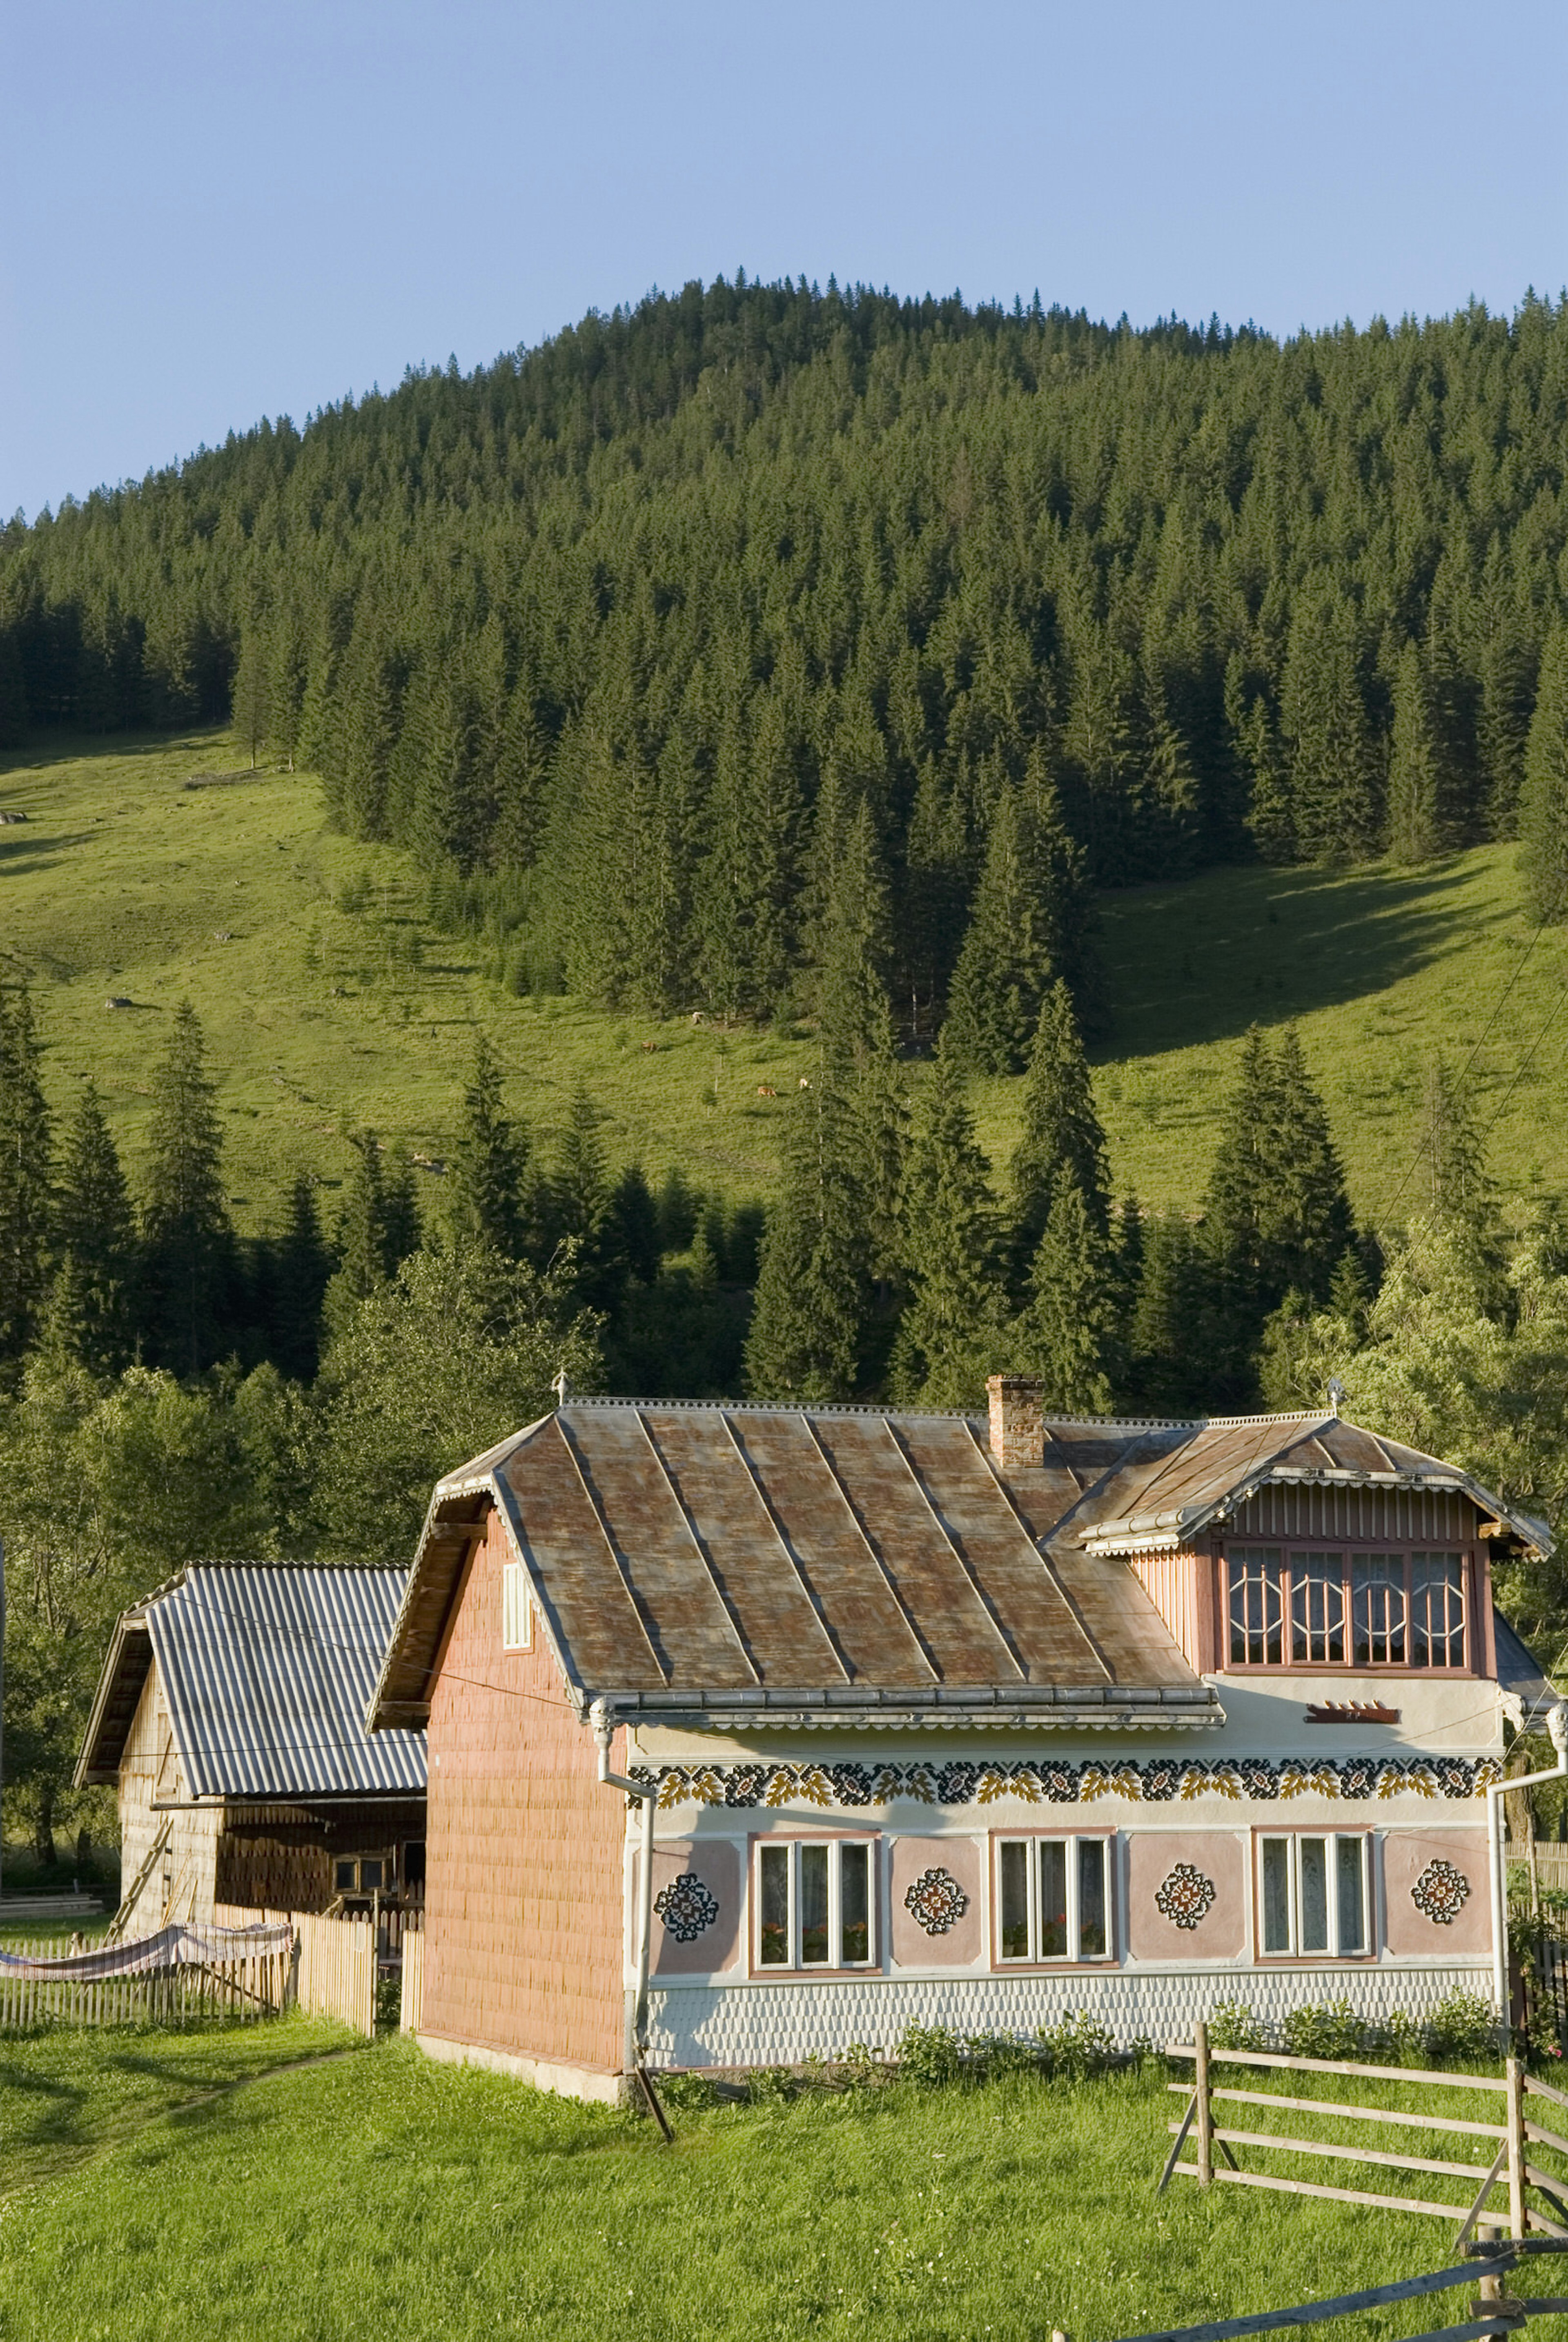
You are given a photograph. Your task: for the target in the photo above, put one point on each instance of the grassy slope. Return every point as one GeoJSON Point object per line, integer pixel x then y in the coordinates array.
{"type": "Point", "coordinates": [390, 2194]}
{"type": "Point", "coordinates": [123, 878]}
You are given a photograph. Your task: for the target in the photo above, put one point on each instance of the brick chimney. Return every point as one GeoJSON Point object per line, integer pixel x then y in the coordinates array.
{"type": "Point", "coordinates": [1017, 1428]}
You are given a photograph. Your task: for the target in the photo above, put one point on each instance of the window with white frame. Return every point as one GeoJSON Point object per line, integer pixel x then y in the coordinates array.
{"type": "Point", "coordinates": [1315, 1897]}
{"type": "Point", "coordinates": [816, 1903]}
{"type": "Point", "coordinates": [1052, 1898]}
{"type": "Point", "coordinates": [517, 1608]}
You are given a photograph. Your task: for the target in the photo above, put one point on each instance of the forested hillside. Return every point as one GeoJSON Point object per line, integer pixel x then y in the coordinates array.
{"type": "Point", "coordinates": [621, 633]}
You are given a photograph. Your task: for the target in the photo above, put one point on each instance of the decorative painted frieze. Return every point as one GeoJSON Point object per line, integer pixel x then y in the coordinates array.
{"type": "Point", "coordinates": [1254, 1780]}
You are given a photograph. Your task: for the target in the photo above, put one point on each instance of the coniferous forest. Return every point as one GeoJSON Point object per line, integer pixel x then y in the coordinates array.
{"type": "Point", "coordinates": [775, 654]}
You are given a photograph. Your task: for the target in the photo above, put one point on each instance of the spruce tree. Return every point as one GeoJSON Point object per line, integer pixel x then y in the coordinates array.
{"type": "Point", "coordinates": [487, 1170]}
{"type": "Point", "coordinates": [1328, 733]}
{"type": "Point", "coordinates": [1417, 825]}
{"type": "Point", "coordinates": [301, 1266]}
{"type": "Point", "coordinates": [1028, 928]}
{"type": "Point", "coordinates": [1066, 1334]}
{"type": "Point", "coordinates": [1462, 1193]}
{"type": "Point", "coordinates": [249, 693]}
{"type": "Point", "coordinates": [401, 1221]}
{"type": "Point", "coordinates": [1168, 1370]}
{"type": "Point", "coordinates": [187, 1241]}
{"type": "Point", "coordinates": [95, 1238]}
{"type": "Point", "coordinates": [361, 1246]}
{"type": "Point", "coordinates": [1543, 797]}
{"type": "Point", "coordinates": [854, 945]}
{"type": "Point", "coordinates": [1063, 1134]}
{"type": "Point", "coordinates": [26, 1184]}
{"type": "Point", "coordinates": [952, 1331]}
{"type": "Point", "coordinates": [813, 1279]}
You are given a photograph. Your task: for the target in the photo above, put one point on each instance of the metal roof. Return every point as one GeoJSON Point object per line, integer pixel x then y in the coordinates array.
{"type": "Point", "coordinates": [737, 1566]}
{"type": "Point", "coordinates": [266, 1670]}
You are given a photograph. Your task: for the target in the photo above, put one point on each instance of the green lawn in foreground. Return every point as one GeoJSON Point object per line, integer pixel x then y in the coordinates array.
{"type": "Point", "coordinates": [123, 879]}
{"type": "Point", "coordinates": [382, 2194]}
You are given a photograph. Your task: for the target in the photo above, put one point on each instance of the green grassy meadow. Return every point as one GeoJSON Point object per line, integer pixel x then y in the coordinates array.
{"type": "Point", "coordinates": [134, 877]}
{"type": "Point", "coordinates": [380, 2193]}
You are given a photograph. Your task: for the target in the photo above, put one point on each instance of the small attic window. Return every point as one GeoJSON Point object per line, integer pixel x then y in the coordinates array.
{"type": "Point", "coordinates": [517, 1608]}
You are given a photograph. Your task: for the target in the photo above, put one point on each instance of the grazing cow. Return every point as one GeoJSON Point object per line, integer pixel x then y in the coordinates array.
{"type": "Point", "coordinates": [805, 1081]}
{"type": "Point", "coordinates": [763, 1091]}
{"type": "Point", "coordinates": [648, 1047]}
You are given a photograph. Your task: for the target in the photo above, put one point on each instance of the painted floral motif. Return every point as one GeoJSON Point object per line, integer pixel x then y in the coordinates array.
{"type": "Point", "coordinates": [1035, 1781]}
{"type": "Point", "coordinates": [1441, 1893]}
{"type": "Point", "coordinates": [685, 1906]}
{"type": "Point", "coordinates": [1184, 1895]}
{"type": "Point", "coordinates": [937, 1901]}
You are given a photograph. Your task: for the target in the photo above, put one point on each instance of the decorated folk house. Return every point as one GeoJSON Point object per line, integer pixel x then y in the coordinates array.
{"type": "Point", "coordinates": [939, 1720]}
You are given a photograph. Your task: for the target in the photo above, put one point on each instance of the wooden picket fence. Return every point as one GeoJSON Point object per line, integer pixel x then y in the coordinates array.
{"type": "Point", "coordinates": [254, 1986]}
{"type": "Point", "coordinates": [1510, 2166]}
{"type": "Point", "coordinates": [333, 1967]}
{"type": "Point", "coordinates": [412, 2004]}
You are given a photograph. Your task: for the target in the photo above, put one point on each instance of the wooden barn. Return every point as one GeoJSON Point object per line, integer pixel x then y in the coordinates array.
{"type": "Point", "coordinates": [944, 1720]}
{"type": "Point", "coordinates": [230, 1719]}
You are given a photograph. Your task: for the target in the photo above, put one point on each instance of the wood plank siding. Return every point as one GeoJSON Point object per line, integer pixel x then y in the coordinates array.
{"type": "Point", "coordinates": [523, 1950]}
{"type": "Point", "coordinates": [1347, 1516]}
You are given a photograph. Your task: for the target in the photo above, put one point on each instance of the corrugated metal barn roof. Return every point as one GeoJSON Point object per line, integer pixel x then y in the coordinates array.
{"type": "Point", "coordinates": [266, 1671]}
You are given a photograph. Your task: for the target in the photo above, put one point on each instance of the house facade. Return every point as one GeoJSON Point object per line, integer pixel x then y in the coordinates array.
{"type": "Point", "coordinates": [229, 1718]}
{"type": "Point", "coordinates": [944, 1720]}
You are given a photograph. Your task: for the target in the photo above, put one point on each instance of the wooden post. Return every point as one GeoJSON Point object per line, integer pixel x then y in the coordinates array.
{"type": "Point", "coordinates": [1206, 2123]}
{"type": "Point", "coordinates": [1518, 2218]}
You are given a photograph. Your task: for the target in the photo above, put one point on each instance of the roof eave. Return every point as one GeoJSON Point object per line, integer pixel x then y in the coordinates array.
{"type": "Point", "coordinates": [1045, 1708]}
{"type": "Point", "coordinates": [93, 1769]}
{"type": "Point", "coordinates": [1164, 1532]}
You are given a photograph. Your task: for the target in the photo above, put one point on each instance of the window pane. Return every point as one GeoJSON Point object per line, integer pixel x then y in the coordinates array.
{"type": "Point", "coordinates": [813, 1906]}
{"type": "Point", "coordinates": [1257, 1614]}
{"type": "Point", "coordinates": [1314, 1854]}
{"type": "Point", "coordinates": [855, 1904]}
{"type": "Point", "coordinates": [1377, 1607]}
{"type": "Point", "coordinates": [369, 1876]}
{"type": "Point", "coordinates": [1052, 1899]}
{"type": "Point", "coordinates": [1317, 1608]}
{"type": "Point", "coordinates": [1091, 1898]}
{"type": "Point", "coordinates": [1351, 1912]}
{"type": "Point", "coordinates": [1436, 1610]}
{"type": "Point", "coordinates": [1276, 1894]}
{"type": "Point", "coordinates": [1014, 1901]}
{"type": "Point", "coordinates": [772, 1935]}
{"type": "Point", "coordinates": [342, 1878]}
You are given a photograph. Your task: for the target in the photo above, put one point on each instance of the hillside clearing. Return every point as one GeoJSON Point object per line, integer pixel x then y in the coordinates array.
{"type": "Point", "coordinates": [135, 878]}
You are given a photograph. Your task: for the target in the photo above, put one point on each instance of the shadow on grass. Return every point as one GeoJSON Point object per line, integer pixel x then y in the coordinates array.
{"type": "Point", "coordinates": [1201, 961]}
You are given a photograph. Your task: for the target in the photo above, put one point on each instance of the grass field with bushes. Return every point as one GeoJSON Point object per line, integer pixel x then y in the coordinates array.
{"type": "Point", "coordinates": [381, 2192]}
{"type": "Point", "coordinates": [152, 869]}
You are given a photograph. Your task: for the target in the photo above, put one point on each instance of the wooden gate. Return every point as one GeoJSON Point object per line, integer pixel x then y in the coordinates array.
{"type": "Point", "coordinates": [1512, 2135]}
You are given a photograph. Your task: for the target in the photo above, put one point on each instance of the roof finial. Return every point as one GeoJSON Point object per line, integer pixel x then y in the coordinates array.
{"type": "Point", "coordinates": [1335, 1395]}
{"type": "Point", "coordinates": [561, 1387]}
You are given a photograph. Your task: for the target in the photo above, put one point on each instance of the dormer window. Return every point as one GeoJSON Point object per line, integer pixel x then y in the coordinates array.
{"type": "Point", "coordinates": [1303, 1608]}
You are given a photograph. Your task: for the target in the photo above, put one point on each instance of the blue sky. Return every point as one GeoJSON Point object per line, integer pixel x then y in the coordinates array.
{"type": "Point", "coordinates": [213, 212]}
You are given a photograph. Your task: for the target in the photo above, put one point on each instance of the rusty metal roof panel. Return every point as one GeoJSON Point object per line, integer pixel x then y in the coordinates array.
{"type": "Point", "coordinates": [784, 1636]}
{"type": "Point", "coordinates": [1049, 1638]}
{"type": "Point", "coordinates": [934, 1589]}
{"type": "Point", "coordinates": [599, 1625]}
{"type": "Point", "coordinates": [814, 1514]}
{"type": "Point", "coordinates": [641, 1520]}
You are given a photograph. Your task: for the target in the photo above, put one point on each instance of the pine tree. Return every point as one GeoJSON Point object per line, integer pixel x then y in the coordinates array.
{"type": "Point", "coordinates": [1543, 798]}
{"type": "Point", "coordinates": [937, 878]}
{"type": "Point", "coordinates": [249, 693]}
{"type": "Point", "coordinates": [26, 1184]}
{"type": "Point", "coordinates": [487, 1172]}
{"type": "Point", "coordinates": [95, 1236]}
{"type": "Point", "coordinates": [1168, 1369]}
{"type": "Point", "coordinates": [187, 1242]}
{"type": "Point", "coordinates": [1417, 825]}
{"type": "Point", "coordinates": [401, 1232]}
{"type": "Point", "coordinates": [952, 1331]}
{"type": "Point", "coordinates": [1067, 1333]}
{"type": "Point", "coordinates": [854, 946]}
{"type": "Point", "coordinates": [1061, 1135]}
{"type": "Point", "coordinates": [301, 1266]}
{"type": "Point", "coordinates": [813, 1281]}
{"type": "Point", "coordinates": [1028, 928]}
{"type": "Point", "coordinates": [361, 1246]}
{"type": "Point", "coordinates": [1328, 735]}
